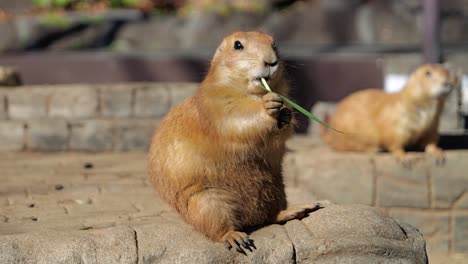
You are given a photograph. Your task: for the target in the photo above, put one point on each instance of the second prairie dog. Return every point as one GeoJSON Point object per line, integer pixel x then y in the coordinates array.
{"type": "Point", "coordinates": [217, 157]}
{"type": "Point", "coordinates": [392, 121]}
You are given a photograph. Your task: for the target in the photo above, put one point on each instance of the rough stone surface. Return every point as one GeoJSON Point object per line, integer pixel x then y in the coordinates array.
{"type": "Point", "coordinates": [134, 134]}
{"type": "Point", "coordinates": [180, 91]}
{"type": "Point", "coordinates": [47, 135]}
{"type": "Point", "coordinates": [400, 186]}
{"type": "Point", "coordinates": [73, 101]}
{"type": "Point", "coordinates": [435, 227]}
{"type": "Point", "coordinates": [449, 184]}
{"type": "Point", "coordinates": [114, 245]}
{"type": "Point", "coordinates": [340, 180]}
{"type": "Point", "coordinates": [461, 233]}
{"type": "Point", "coordinates": [11, 136]}
{"type": "Point", "coordinates": [92, 135]}
{"type": "Point", "coordinates": [451, 120]}
{"type": "Point", "coordinates": [152, 101]}
{"type": "Point", "coordinates": [62, 210]}
{"type": "Point", "coordinates": [27, 103]}
{"type": "Point", "coordinates": [116, 101]}
{"type": "Point", "coordinates": [3, 106]}
{"type": "Point", "coordinates": [366, 222]}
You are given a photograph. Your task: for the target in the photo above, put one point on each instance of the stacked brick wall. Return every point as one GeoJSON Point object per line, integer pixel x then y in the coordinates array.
{"type": "Point", "coordinates": [85, 117]}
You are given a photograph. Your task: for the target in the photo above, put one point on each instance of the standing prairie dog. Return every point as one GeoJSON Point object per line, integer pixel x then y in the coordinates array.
{"type": "Point", "coordinates": [378, 120]}
{"type": "Point", "coordinates": [217, 157]}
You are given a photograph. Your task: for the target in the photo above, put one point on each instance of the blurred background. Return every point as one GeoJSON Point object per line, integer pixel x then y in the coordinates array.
{"type": "Point", "coordinates": [367, 43]}
{"type": "Point", "coordinates": [98, 76]}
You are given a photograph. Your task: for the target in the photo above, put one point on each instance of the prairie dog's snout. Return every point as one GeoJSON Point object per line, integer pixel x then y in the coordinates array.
{"type": "Point", "coordinates": [438, 79]}
{"type": "Point", "coordinates": [271, 65]}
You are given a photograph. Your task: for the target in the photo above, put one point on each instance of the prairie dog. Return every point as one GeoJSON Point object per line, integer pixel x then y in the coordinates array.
{"type": "Point", "coordinates": [379, 120]}
{"type": "Point", "coordinates": [217, 157]}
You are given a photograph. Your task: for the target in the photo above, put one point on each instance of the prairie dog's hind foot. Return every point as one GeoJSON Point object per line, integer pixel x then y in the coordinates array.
{"type": "Point", "coordinates": [239, 240]}
{"type": "Point", "coordinates": [402, 158]}
{"type": "Point", "coordinates": [298, 211]}
{"type": "Point", "coordinates": [437, 153]}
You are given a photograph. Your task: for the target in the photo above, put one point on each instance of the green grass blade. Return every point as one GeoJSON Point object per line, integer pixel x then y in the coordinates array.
{"type": "Point", "coordinates": [265, 85]}
{"type": "Point", "coordinates": [300, 108]}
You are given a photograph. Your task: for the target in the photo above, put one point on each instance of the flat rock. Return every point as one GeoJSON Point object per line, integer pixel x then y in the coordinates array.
{"type": "Point", "coordinates": [335, 234]}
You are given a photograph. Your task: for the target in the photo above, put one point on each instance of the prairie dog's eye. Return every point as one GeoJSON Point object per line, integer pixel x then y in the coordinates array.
{"type": "Point", "coordinates": [238, 45]}
{"type": "Point", "coordinates": [428, 73]}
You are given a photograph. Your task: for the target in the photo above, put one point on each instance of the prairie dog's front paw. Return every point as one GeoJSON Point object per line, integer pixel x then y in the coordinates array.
{"type": "Point", "coordinates": [272, 103]}
{"type": "Point", "coordinates": [284, 117]}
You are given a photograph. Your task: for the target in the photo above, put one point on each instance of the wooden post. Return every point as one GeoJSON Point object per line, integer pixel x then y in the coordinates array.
{"type": "Point", "coordinates": [431, 40]}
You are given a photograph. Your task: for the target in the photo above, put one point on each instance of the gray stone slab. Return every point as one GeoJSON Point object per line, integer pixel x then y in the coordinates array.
{"type": "Point", "coordinates": [3, 105]}
{"type": "Point", "coordinates": [451, 120]}
{"type": "Point", "coordinates": [340, 178]}
{"type": "Point", "coordinates": [73, 101]}
{"type": "Point", "coordinates": [435, 227]}
{"type": "Point", "coordinates": [337, 220]}
{"type": "Point", "coordinates": [11, 135]}
{"type": "Point", "coordinates": [152, 100]}
{"type": "Point", "coordinates": [461, 233]}
{"type": "Point", "coordinates": [47, 135]}
{"type": "Point", "coordinates": [93, 135]}
{"type": "Point", "coordinates": [450, 181]}
{"type": "Point", "coordinates": [361, 234]}
{"type": "Point", "coordinates": [116, 100]}
{"type": "Point", "coordinates": [181, 91]}
{"type": "Point", "coordinates": [300, 236]}
{"type": "Point", "coordinates": [114, 245]}
{"type": "Point", "coordinates": [27, 103]}
{"type": "Point", "coordinates": [134, 134]}
{"type": "Point", "coordinates": [398, 186]}
{"type": "Point", "coordinates": [172, 241]}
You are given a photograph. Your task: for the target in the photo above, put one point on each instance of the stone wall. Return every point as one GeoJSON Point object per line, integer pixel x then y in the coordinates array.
{"type": "Point", "coordinates": [85, 117]}
{"type": "Point", "coordinates": [432, 198]}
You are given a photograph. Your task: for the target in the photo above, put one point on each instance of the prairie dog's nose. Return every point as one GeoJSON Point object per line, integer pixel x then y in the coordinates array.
{"type": "Point", "coordinates": [271, 64]}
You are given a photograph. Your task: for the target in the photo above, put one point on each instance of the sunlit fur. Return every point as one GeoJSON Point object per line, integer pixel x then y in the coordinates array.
{"type": "Point", "coordinates": [378, 120]}
{"type": "Point", "coordinates": [216, 157]}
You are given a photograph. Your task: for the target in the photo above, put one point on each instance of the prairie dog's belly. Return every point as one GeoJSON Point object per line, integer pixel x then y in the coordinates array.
{"type": "Point", "coordinates": [255, 192]}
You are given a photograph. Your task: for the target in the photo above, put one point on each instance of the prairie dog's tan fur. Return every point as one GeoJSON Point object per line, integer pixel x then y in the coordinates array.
{"type": "Point", "coordinates": [379, 120]}
{"type": "Point", "coordinates": [216, 158]}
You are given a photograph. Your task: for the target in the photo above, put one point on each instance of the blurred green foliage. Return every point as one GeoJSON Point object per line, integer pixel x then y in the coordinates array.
{"type": "Point", "coordinates": [54, 21]}
{"type": "Point", "coordinates": [124, 3]}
